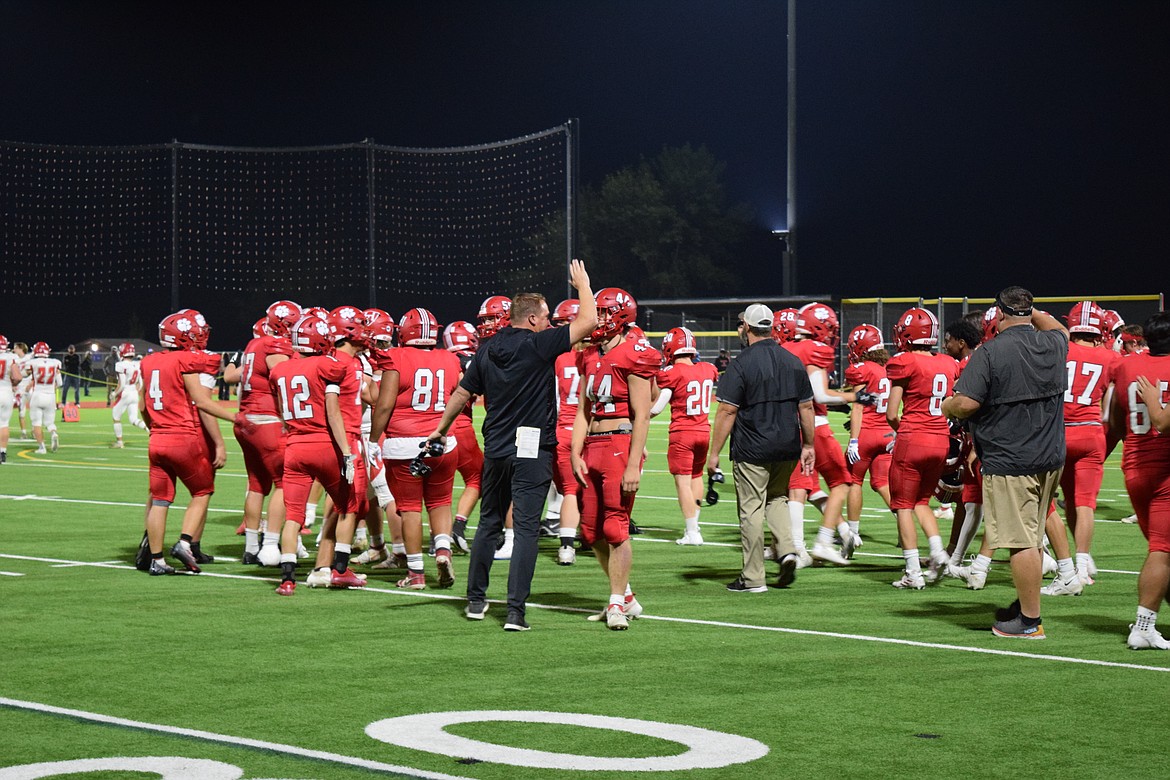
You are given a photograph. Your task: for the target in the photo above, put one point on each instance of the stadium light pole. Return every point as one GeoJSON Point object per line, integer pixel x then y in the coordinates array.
{"type": "Point", "coordinates": [789, 261]}
{"type": "Point", "coordinates": [785, 237]}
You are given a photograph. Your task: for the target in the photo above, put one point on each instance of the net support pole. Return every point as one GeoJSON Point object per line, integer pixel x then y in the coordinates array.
{"type": "Point", "coordinates": [369, 142]}
{"type": "Point", "coordinates": [572, 134]}
{"type": "Point", "coordinates": [174, 224]}
{"type": "Point", "coordinates": [788, 270]}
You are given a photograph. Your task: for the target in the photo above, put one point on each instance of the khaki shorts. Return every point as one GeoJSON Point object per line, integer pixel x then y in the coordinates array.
{"type": "Point", "coordinates": [1014, 508]}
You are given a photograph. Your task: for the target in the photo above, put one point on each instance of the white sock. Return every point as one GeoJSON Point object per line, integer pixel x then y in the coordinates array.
{"type": "Point", "coordinates": [288, 557]}
{"type": "Point", "coordinates": [398, 549]}
{"type": "Point", "coordinates": [796, 517]}
{"type": "Point", "coordinates": [271, 537]}
{"type": "Point", "coordinates": [360, 534]}
{"type": "Point", "coordinates": [971, 519]}
{"type": "Point", "coordinates": [442, 542]}
{"type": "Point", "coordinates": [617, 598]}
{"type": "Point", "coordinates": [825, 536]}
{"type": "Point", "coordinates": [414, 562]}
{"type": "Point", "coordinates": [692, 524]}
{"type": "Point", "coordinates": [310, 514]}
{"type": "Point", "coordinates": [913, 565]}
{"type": "Point", "coordinates": [982, 563]}
{"type": "Point", "coordinates": [118, 431]}
{"type": "Point", "coordinates": [343, 548]}
{"type": "Point", "coordinates": [251, 541]}
{"type": "Point", "coordinates": [937, 550]}
{"type": "Point", "coordinates": [855, 526]}
{"type": "Point", "coordinates": [1065, 568]}
{"type": "Point", "coordinates": [1146, 618]}
{"type": "Point", "coordinates": [1083, 562]}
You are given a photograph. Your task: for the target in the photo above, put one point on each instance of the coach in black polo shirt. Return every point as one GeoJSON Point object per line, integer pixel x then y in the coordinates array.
{"type": "Point", "coordinates": [765, 404]}
{"type": "Point", "coordinates": [513, 372]}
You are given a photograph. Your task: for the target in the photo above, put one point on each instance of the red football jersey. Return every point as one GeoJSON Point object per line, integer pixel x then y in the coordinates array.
{"type": "Point", "coordinates": [300, 385]}
{"type": "Point", "coordinates": [1145, 448]}
{"type": "Point", "coordinates": [1090, 370]}
{"type": "Point", "coordinates": [167, 402]}
{"type": "Point", "coordinates": [691, 387]}
{"type": "Point", "coordinates": [815, 354]}
{"type": "Point", "coordinates": [873, 378]}
{"type": "Point", "coordinates": [349, 389]}
{"type": "Point", "coordinates": [568, 388]}
{"type": "Point", "coordinates": [926, 381]}
{"type": "Point", "coordinates": [426, 380]}
{"type": "Point", "coordinates": [604, 375]}
{"type": "Point", "coordinates": [255, 391]}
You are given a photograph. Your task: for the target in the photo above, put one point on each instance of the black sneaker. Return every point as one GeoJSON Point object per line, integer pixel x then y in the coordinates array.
{"type": "Point", "coordinates": [516, 621]}
{"type": "Point", "coordinates": [250, 559]}
{"type": "Point", "coordinates": [142, 557]}
{"type": "Point", "coordinates": [475, 610]}
{"type": "Point", "coordinates": [3, 457]}
{"type": "Point", "coordinates": [634, 529]}
{"type": "Point", "coordinates": [1011, 612]}
{"type": "Point", "coordinates": [550, 528]}
{"type": "Point", "coordinates": [202, 557]}
{"type": "Point", "coordinates": [459, 535]}
{"type": "Point", "coordinates": [1016, 628]}
{"type": "Point", "coordinates": [739, 586]}
{"type": "Point", "coordinates": [185, 557]}
{"type": "Point", "coordinates": [787, 571]}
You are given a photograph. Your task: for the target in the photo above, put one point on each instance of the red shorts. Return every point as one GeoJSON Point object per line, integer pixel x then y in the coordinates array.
{"type": "Point", "coordinates": [305, 461]}
{"type": "Point", "coordinates": [830, 458]}
{"type": "Point", "coordinates": [800, 481]}
{"type": "Point", "coordinates": [434, 489]}
{"type": "Point", "coordinates": [605, 509]}
{"type": "Point", "coordinates": [180, 456]}
{"type": "Point", "coordinates": [686, 455]}
{"type": "Point", "coordinates": [566, 483]}
{"type": "Point", "coordinates": [973, 486]}
{"type": "Point", "coordinates": [1149, 492]}
{"type": "Point", "coordinates": [470, 456]}
{"type": "Point", "coordinates": [1084, 466]}
{"type": "Point", "coordinates": [919, 461]}
{"type": "Point", "coordinates": [874, 459]}
{"type": "Point", "coordinates": [263, 448]}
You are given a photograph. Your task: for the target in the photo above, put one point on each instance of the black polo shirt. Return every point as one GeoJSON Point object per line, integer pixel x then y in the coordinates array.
{"type": "Point", "coordinates": [767, 384]}
{"type": "Point", "coordinates": [514, 372]}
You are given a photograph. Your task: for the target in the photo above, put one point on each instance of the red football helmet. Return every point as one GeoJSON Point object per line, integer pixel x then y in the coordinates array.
{"type": "Point", "coordinates": [679, 342]}
{"type": "Point", "coordinates": [349, 323]}
{"type": "Point", "coordinates": [260, 328]}
{"type": "Point", "coordinates": [379, 324]}
{"type": "Point", "coordinates": [784, 325]}
{"type": "Point", "coordinates": [460, 336]}
{"type": "Point", "coordinates": [185, 329]}
{"type": "Point", "coordinates": [862, 339]}
{"type": "Point", "coordinates": [990, 324]}
{"type": "Point", "coordinates": [494, 313]}
{"type": "Point", "coordinates": [916, 326]}
{"type": "Point", "coordinates": [315, 311]}
{"type": "Point", "coordinates": [41, 349]}
{"type": "Point", "coordinates": [616, 308]}
{"type": "Point", "coordinates": [1086, 317]}
{"type": "Point", "coordinates": [818, 322]}
{"type": "Point", "coordinates": [311, 335]}
{"type": "Point", "coordinates": [418, 328]}
{"type": "Point", "coordinates": [281, 316]}
{"type": "Point", "coordinates": [3, 345]}
{"type": "Point", "coordinates": [565, 312]}
{"type": "Point", "coordinates": [127, 351]}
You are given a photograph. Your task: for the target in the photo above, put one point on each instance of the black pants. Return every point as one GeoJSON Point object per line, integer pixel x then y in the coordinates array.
{"type": "Point", "coordinates": [523, 484]}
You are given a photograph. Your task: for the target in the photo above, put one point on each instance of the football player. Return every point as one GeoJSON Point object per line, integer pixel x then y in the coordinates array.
{"type": "Point", "coordinates": [45, 372]}
{"type": "Point", "coordinates": [609, 440]}
{"type": "Point", "coordinates": [568, 398]}
{"type": "Point", "coordinates": [686, 387]}
{"type": "Point", "coordinates": [461, 339]}
{"type": "Point", "coordinates": [815, 345]}
{"type": "Point", "coordinates": [129, 388]}
{"type": "Point", "coordinates": [417, 380]}
{"type": "Point", "coordinates": [494, 314]}
{"type": "Point", "coordinates": [919, 382]}
{"type": "Point", "coordinates": [870, 435]}
{"type": "Point", "coordinates": [185, 442]}
{"type": "Point", "coordinates": [319, 398]}
{"type": "Point", "coordinates": [1140, 413]}
{"type": "Point", "coordinates": [22, 383]}
{"type": "Point", "coordinates": [8, 378]}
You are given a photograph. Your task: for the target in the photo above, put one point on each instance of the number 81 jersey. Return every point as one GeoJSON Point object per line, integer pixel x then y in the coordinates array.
{"type": "Point", "coordinates": [426, 380]}
{"type": "Point", "coordinates": [691, 387]}
{"type": "Point", "coordinates": [604, 375]}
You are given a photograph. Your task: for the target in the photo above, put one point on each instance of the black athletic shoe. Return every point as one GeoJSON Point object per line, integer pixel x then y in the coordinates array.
{"type": "Point", "coordinates": [251, 559]}
{"type": "Point", "coordinates": [202, 557]}
{"type": "Point", "coordinates": [459, 535]}
{"type": "Point", "coordinates": [550, 528]}
{"type": "Point", "coordinates": [634, 529]}
{"type": "Point", "coordinates": [787, 571]}
{"type": "Point", "coordinates": [516, 621]}
{"type": "Point", "coordinates": [1004, 614]}
{"type": "Point", "coordinates": [739, 586]}
{"type": "Point", "coordinates": [142, 557]}
{"type": "Point", "coordinates": [185, 557]}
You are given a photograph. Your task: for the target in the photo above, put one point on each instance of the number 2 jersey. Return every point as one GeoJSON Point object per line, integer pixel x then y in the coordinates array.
{"type": "Point", "coordinates": [691, 387]}
{"type": "Point", "coordinates": [604, 376]}
{"type": "Point", "coordinates": [927, 380]}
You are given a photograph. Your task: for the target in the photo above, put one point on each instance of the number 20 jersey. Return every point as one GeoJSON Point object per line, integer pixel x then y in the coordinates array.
{"type": "Point", "coordinates": [691, 388]}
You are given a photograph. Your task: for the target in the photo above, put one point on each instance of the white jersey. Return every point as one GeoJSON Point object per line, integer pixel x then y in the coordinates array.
{"type": "Point", "coordinates": [24, 378]}
{"type": "Point", "coordinates": [7, 361]}
{"type": "Point", "coordinates": [129, 376]}
{"type": "Point", "coordinates": [45, 374]}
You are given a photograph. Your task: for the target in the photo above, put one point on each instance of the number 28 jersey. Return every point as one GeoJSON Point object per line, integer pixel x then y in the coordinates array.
{"type": "Point", "coordinates": [604, 375]}
{"type": "Point", "coordinates": [691, 387]}
{"type": "Point", "coordinates": [926, 380]}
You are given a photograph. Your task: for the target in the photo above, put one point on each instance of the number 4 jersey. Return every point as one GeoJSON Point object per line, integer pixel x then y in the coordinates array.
{"type": "Point", "coordinates": [167, 403]}
{"type": "Point", "coordinates": [691, 387]}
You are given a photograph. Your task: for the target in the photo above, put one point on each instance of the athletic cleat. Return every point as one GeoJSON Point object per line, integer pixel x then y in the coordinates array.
{"type": "Point", "coordinates": [787, 571]}
{"type": "Point", "coordinates": [393, 561]}
{"type": "Point", "coordinates": [974, 578]}
{"type": "Point", "coordinates": [286, 588]}
{"type": "Point", "coordinates": [615, 618]}
{"type": "Point", "coordinates": [828, 554]}
{"type": "Point", "coordinates": [1092, 567]}
{"type": "Point", "coordinates": [142, 557]}
{"type": "Point", "coordinates": [372, 555]}
{"type": "Point", "coordinates": [910, 582]}
{"type": "Point", "coordinates": [302, 553]}
{"type": "Point", "coordinates": [269, 555]}
{"type": "Point", "coordinates": [953, 570]}
{"type": "Point", "coordinates": [1130, 519]}
{"type": "Point", "coordinates": [446, 570]}
{"type": "Point", "coordinates": [475, 610]}
{"type": "Point", "coordinates": [459, 535]}
{"type": "Point", "coordinates": [770, 553]}
{"type": "Point", "coordinates": [250, 559]}
{"type": "Point", "coordinates": [1015, 629]}
{"type": "Point", "coordinates": [362, 544]}
{"type": "Point", "coordinates": [345, 579]}
{"type": "Point", "coordinates": [159, 567]}
{"type": "Point", "coordinates": [739, 586]}
{"type": "Point", "coordinates": [695, 539]}
{"type": "Point", "coordinates": [1049, 565]}
{"type": "Point", "coordinates": [319, 578]}
{"type": "Point", "coordinates": [937, 569]}
{"type": "Point", "coordinates": [42, 451]}
{"type": "Point", "coordinates": [118, 445]}
{"type": "Point", "coordinates": [1085, 578]}
{"type": "Point", "coordinates": [54, 442]}
{"type": "Point", "coordinates": [414, 580]}
{"type": "Point", "coordinates": [550, 529]}
{"type": "Point", "coordinates": [803, 559]}
{"type": "Point", "coordinates": [566, 556]}
{"type": "Point", "coordinates": [632, 608]}
{"type": "Point", "coordinates": [847, 545]}
{"type": "Point", "coordinates": [944, 513]}
{"type": "Point", "coordinates": [185, 557]}
{"type": "Point", "coordinates": [634, 529]}
{"type": "Point", "coordinates": [202, 558]}
{"type": "Point", "coordinates": [1064, 587]}
{"type": "Point", "coordinates": [3, 458]}
{"type": "Point", "coordinates": [1149, 639]}
{"type": "Point", "coordinates": [516, 621]}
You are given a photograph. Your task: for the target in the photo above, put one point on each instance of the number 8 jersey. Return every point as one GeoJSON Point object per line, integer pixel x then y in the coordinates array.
{"type": "Point", "coordinates": [927, 380]}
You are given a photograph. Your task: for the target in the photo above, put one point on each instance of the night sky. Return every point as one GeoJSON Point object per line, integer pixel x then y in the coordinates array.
{"type": "Point", "coordinates": [943, 147]}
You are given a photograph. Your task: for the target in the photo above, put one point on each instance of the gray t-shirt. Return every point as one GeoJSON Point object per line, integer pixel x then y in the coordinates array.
{"type": "Point", "coordinates": [1019, 377]}
{"type": "Point", "coordinates": [767, 384]}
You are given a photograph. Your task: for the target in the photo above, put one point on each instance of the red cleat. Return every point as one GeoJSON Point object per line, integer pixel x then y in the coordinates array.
{"type": "Point", "coordinates": [414, 580]}
{"type": "Point", "coordinates": [346, 579]}
{"type": "Point", "coordinates": [287, 588]}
